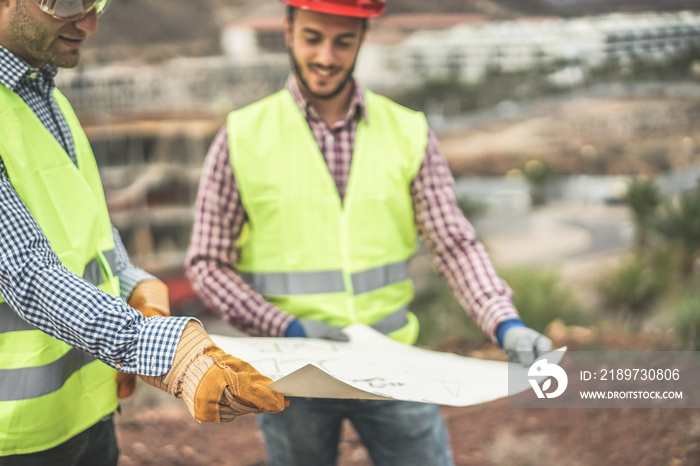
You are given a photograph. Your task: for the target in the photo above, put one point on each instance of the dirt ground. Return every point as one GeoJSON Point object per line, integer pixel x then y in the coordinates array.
{"type": "Point", "coordinates": [155, 430]}
{"type": "Point", "coordinates": [490, 434]}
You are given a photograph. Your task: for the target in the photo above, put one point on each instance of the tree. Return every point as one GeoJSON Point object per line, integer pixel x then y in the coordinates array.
{"type": "Point", "coordinates": [643, 198]}
{"type": "Point", "coordinates": [633, 288]}
{"type": "Point", "coordinates": [679, 222]}
{"type": "Point", "coordinates": [537, 172]}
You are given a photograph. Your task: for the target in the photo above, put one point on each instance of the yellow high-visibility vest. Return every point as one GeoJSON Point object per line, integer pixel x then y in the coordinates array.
{"type": "Point", "coordinates": [306, 251]}
{"type": "Point", "coordinates": [50, 391]}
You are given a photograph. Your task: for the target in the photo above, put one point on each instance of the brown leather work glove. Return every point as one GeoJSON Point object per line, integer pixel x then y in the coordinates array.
{"type": "Point", "coordinates": [215, 386]}
{"type": "Point", "coordinates": [150, 298]}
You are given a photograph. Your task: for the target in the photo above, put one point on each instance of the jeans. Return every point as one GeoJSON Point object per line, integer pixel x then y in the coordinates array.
{"type": "Point", "coordinates": [96, 446]}
{"type": "Point", "coordinates": [397, 433]}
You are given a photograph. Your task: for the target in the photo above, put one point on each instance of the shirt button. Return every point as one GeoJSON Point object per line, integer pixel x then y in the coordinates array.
{"type": "Point", "coordinates": [118, 365]}
{"type": "Point", "coordinates": [330, 140]}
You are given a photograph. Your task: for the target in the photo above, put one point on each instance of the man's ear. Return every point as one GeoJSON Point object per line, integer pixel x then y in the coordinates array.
{"type": "Point", "coordinates": [287, 31]}
{"type": "Point", "coordinates": [5, 6]}
{"type": "Point", "coordinates": [365, 30]}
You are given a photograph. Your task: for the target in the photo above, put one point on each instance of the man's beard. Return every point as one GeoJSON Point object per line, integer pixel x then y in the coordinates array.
{"type": "Point", "coordinates": [305, 84]}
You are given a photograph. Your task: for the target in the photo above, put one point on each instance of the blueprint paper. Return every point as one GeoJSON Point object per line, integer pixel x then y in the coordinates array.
{"type": "Point", "coordinates": [373, 366]}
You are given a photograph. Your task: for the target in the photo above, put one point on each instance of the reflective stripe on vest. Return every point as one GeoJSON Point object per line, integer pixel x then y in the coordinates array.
{"type": "Point", "coordinates": [295, 283]}
{"type": "Point", "coordinates": [373, 279]}
{"type": "Point", "coordinates": [93, 272]}
{"type": "Point", "coordinates": [392, 322]}
{"type": "Point", "coordinates": [331, 281]}
{"type": "Point", "coordinates": [33, 382]}
{"type": "Point", "coordinates": [10, 321]}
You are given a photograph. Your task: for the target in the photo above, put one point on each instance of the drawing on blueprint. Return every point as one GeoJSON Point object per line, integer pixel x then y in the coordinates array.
{"type": "Point", "coordinates": [372, 366]}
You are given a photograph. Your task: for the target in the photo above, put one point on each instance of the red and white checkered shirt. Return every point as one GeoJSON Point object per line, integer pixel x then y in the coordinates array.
{"type": "Point", "coordinates": [448, 235]}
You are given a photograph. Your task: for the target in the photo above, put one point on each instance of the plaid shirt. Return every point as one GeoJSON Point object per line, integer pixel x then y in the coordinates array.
{"type": "Point", "coordinates": [450, 238]}
{"type": "Point", "coordinates": [56, 301]}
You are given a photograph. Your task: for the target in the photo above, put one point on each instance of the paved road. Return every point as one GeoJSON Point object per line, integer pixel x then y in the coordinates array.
{"type": "Point", "coordinates": [607, 236]}
{"type": "Point", "coordinates": [556, 233]}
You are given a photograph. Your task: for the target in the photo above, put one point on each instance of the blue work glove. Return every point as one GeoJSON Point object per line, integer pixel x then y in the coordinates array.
{"type": "Point", "coordinates": [315, 329]}
{"type": "Point", "coordinates": [522, 344]}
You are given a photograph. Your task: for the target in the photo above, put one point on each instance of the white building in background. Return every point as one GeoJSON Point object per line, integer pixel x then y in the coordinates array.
{"type": "Point", "coordinates": [472, 46]}
{"type": "Point", "coordinates": [248, 39]}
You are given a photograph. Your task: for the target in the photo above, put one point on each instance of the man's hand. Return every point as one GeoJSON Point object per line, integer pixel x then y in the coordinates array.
{"type": "Point", "coordinates": [315, 329]}
{"type": "Point", "coordinates": [215, 386]}
{"type": "Point", "coordinates": [150, 298]}
{"type": "Point", "coordinates": [524, 345]}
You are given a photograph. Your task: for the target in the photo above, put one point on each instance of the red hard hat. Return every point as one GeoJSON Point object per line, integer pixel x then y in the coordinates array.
{"type": "Point", "coordinates": [357, 8]}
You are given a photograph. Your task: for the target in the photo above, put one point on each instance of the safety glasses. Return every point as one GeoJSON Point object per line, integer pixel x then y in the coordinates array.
{"type": "Point", "coordinates": [71, 10]}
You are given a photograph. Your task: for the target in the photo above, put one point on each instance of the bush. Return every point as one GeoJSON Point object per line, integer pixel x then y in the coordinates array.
{"type": "Point", "coordinates": [540, 297]}
{"type": "Point", "coordinates": [537, 172]}
{"type": "Point", "coordinates": [687, 322]}
{"type": "Point", "coordinates": [679, 223]}
{"type": "Point", "coordinates": [441, 316]}
{"type": "Point", "coordinates": [682, 312]}
{"type": "Point", "coordinates": [632, 289]}
{"type": "Point", "coordinates": [643, 197]}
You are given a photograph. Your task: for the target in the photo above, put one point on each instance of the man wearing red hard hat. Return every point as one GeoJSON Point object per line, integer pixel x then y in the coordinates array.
{"type": "Point", "coordinates": [310, 206]}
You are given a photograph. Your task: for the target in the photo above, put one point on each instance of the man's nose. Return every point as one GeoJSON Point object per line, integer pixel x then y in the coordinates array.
{"type": "Point", "coordinates": [88, 23]}
{"type": "Point", "coordinates": [326, 55]}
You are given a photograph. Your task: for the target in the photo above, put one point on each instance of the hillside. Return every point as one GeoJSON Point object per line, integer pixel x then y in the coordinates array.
{"type": "Point", "coordinates": [595, 135]}
{"type": "Point", "coordinates": [157, 29]}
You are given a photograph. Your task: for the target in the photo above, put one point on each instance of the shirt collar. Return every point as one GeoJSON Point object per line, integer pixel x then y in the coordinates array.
{"type": "Point", "coordinates": [13, 69]}
{"type": "Point", "coordinates": [357, 104]}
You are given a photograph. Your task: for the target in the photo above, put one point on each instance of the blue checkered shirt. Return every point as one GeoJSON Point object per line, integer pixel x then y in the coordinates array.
{"type": "Point", "coordinates": [42, 291]}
